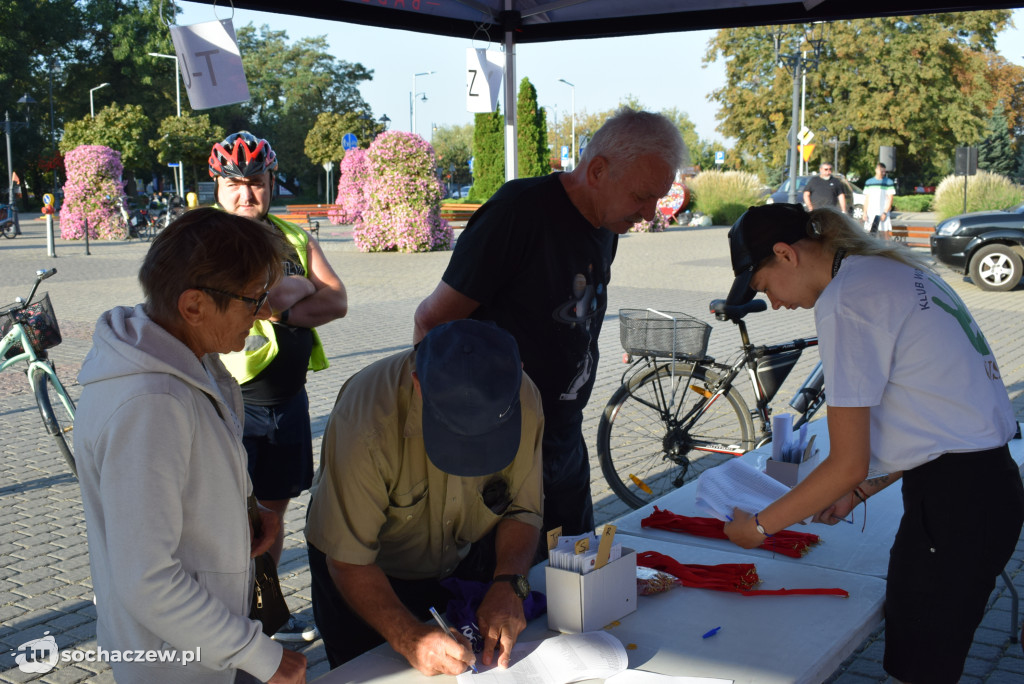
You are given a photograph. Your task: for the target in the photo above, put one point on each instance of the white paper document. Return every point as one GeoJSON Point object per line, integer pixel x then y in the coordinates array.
{"type": "Point", "coordinates": [643, 677]}
{"type": "Point", "coordinates": [735, 484]}
{"type": "Point", "coordinates": [559, 660]}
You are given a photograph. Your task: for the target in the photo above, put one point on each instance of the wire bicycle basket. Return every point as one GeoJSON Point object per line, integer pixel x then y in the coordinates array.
{"type": "Point", "coordinates": [648, 332]}
{"type": "Point", "coordinates": [40, 324]}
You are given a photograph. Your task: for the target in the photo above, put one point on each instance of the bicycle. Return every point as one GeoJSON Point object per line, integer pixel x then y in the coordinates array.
{"type": "Point", "coordinates": [678, 411]}
{"type": "Point", "coordinates": [27, 330]}
{"type": "Point", "coordinates": [6, 220]}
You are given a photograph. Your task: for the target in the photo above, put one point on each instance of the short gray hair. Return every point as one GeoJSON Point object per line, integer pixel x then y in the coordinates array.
{"type": "Point", "coordinates": [630, 134]}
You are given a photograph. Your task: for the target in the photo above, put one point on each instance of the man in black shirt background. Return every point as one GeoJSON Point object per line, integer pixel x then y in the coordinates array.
{"type": "Point", "coordinates": [824, 190]}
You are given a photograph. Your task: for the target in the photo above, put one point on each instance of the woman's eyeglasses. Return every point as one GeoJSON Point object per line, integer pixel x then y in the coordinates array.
{"type": "Point", "coordinates": [257, 303]}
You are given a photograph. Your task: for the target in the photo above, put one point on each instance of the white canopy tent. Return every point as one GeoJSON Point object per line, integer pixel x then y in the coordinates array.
{"type": "Point", "coordinates": [532, 21]}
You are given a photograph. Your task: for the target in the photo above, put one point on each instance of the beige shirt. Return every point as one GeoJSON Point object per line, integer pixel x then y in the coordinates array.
{"type": "Point", "coordinates": [377, 498]}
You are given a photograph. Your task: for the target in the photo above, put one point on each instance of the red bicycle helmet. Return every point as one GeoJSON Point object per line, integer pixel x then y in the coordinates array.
{"type": "Point", "coordinates": [241, 155]}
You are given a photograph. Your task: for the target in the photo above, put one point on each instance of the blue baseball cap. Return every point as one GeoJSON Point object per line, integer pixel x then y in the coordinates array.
{"type": "Point", "coordinates": [470, 374]}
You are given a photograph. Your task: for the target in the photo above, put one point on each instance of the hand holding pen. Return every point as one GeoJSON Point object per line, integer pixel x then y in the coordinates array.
{"type": "Point", "coordinates": [448, 630]}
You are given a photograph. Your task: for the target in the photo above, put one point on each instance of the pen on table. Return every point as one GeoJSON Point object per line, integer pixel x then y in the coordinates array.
{"type": "Point", "coordinates": [448, 630]}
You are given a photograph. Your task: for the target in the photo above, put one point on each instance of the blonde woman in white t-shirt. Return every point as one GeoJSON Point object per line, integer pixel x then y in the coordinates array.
{"type": "Point", "coordinates": [914, 392]}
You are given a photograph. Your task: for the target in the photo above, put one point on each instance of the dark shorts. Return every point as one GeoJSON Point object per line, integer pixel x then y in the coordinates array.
{"type": "Point", "coordinates": [962, 518]}
{"type": "Point", "coordinates": [279, 442]}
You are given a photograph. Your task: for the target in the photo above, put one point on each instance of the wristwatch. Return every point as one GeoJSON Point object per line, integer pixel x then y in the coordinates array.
{"type": "Point", "coordinates": [518, 582]}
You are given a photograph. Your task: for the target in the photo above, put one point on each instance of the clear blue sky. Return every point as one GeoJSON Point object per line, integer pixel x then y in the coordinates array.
{"type": "Point", "coordinates": [661, 71]}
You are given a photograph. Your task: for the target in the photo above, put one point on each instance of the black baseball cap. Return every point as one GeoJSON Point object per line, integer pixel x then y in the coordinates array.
{"type": "Point", "coordinates": [752, 237]}
{"type": "Point", "coordinates": [470, 374]}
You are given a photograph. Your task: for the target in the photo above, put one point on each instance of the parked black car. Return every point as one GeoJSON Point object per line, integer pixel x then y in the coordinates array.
{"type": "Point", "coordinates": [986, 245]}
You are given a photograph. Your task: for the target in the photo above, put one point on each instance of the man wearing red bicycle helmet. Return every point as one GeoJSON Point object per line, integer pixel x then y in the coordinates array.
{"type": "Point", "coordinates": [278, 352]}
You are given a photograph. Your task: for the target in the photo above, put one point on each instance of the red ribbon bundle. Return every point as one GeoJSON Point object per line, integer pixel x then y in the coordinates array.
{"type": "Point", "coordinates": [736, 577]}
{"type": "Point", "coordinates": [786, 542]}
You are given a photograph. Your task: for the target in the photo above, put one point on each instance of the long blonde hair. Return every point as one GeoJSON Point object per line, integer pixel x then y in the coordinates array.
{"type": "Point", "coordinates": [835, 230]}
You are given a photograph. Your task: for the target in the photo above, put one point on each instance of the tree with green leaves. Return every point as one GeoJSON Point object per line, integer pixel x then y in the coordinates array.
{"type": "Point", "coordinates": [290, 85]}
{"type": "Point", "coordinates": [325, 141]}
{"type": "Point", "coordinates": [488, 155]}
{"type": "Point", "coordinates": [531, 135]}
{"type": "Point", "coordinates": [916, 82]}
{"type": "Point", "coordinates": [187, 139]}
{"type": "Point", "coordinates": [126, 129]}
{"type": "Point", "coordinates": [995, 151]}
{"type": "Point", "coordinates": [453, 146]}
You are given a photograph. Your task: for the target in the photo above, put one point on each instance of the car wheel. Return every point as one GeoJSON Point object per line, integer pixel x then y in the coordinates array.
{"type": "Point", "coordinates": [858, 212]}
{"type": "Point", "coordinates": [996, 267]}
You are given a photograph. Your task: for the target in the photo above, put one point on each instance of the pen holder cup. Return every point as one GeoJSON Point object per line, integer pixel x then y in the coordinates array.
{"type": "Point", "coordinates": [584, 603]}
{"type": "Point", "coordinates": [790, 474]}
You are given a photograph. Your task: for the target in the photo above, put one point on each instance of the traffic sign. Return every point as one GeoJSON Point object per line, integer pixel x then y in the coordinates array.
{"type": "Point", "coordinates": [720, 157]}
{"type": "Point", "coordinates": [807, 150]}
{"type": "Point", "coordinates": [47, 199]}
{"type": "Point", "coordinates": [349, 141]}
{"type": "Point", "coordinates": [806, 135]}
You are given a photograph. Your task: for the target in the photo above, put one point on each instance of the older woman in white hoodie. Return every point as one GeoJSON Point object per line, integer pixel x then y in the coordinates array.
{"type": "Point", "coordinates": [158, 444]}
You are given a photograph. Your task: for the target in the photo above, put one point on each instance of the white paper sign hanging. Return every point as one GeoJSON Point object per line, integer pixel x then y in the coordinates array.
{"type": "Point", "coordinates": [210, 63]}
{"type": "Point", "coordinates": [484, 69]}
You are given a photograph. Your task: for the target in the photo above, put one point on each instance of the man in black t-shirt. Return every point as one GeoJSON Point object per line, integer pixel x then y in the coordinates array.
{"type": "Point", "coordinates": [536, 259]}
{"type": "Point", "coordinates": [824, 190]}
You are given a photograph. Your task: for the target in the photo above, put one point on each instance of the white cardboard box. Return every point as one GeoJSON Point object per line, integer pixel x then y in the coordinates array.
{"type": "Point", "coordinates": [584, 603]}
{"type": "Point", "coordinates": [789, 474]}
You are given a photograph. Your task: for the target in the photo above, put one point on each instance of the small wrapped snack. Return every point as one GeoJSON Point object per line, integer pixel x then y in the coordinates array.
{"type": "Point", "coordinates": [650, 581]}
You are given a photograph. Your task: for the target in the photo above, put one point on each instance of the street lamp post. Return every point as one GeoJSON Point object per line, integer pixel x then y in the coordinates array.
{"type": "Point", "coordinates": [384, 120]}
{"type": "Point", "coordinates": [180, 177]}
{"type": "Point", "coordinates": [836, 142]}
{"type": "Point", "coordinates": [412, 99]}
{"type": "Point", "coordinates": [573, 120]}
{"type": "Point", "coordinates": [53, 144]}
{"type": "Point", "coordinates": [92, 110]}
{"type": "Point", "coordinates": [800, 63]}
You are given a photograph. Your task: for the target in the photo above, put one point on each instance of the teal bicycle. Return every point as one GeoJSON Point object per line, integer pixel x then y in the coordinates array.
{"type": "Point", "coordinates": [27, 330]}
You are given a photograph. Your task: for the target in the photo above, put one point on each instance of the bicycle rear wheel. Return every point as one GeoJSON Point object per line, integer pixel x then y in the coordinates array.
{"type": "Point", "coordinates": [58, 413]}
{"type": "Point", "coordinates": [647, 449]}
{"type": "Point", "coordinates": [7, 229]}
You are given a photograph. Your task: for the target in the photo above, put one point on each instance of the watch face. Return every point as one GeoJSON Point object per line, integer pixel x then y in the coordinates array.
{"type": "Point", "coordinates": [521, 586]}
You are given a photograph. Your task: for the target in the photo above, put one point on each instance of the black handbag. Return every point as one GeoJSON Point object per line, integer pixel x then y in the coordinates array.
{"type": "Point", "coordinates": [268, 604]}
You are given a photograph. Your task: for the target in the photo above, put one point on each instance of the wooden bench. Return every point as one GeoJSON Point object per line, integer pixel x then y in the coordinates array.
{"type": "Point", "coordinates": [459, 213]}
{"type": "Point", "coordinates": [307, 214]}
{"type": "Point", "coordinates": [913, 236]}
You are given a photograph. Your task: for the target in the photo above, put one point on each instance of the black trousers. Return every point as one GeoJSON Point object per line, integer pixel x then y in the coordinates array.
{"type": "Point", "coordinates": [961, 522]}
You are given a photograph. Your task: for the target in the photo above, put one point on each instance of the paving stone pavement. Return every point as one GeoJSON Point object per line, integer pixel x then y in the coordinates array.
{"type": "Point", "coordinates": [45, 585]}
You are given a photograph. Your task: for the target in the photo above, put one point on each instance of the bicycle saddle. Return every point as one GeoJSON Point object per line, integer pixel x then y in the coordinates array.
{"type": "Point", "coordinates": [735, 312]}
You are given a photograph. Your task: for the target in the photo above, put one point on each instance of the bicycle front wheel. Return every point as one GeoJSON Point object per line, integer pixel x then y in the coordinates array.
{"type": "Point", "coordinates": [7, 229]}
{"type": "Point", "coordinates": [57, 411]}
{"type": "Point", "coordinates": [650, 442]}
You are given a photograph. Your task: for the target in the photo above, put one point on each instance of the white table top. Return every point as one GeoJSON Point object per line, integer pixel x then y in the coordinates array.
{"type": "Point", "coordinates": [844, 546]}
{"type": "Point", "coordinates": [763, 639]}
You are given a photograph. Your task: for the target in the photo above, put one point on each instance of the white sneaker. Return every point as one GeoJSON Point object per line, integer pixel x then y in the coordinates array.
{"type": "Point", "coordinates": [297, 629]}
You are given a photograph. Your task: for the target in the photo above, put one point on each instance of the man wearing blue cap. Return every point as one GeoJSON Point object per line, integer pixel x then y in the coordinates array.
{"type": "Point", "coordinates": [426, 454]}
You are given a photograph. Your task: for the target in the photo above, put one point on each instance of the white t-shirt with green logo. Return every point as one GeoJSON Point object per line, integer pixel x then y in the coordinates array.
{"type": "Point", "coordinates": [900, 341]}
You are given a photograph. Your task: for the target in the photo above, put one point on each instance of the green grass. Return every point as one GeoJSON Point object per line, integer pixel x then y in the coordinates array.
{"type": "Point", "coordinates": [725, 195]}
{"type": "Point", "coordinates": [985, 192]}
{"type": "Point", "coordinates": [912, 202]}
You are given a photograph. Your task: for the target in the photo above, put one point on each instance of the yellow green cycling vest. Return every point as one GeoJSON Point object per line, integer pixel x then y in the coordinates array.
{"type": "Point", "coordinates": [246, 365]}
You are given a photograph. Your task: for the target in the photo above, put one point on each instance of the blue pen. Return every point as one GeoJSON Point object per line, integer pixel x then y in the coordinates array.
{"type": "Point", "coordinates": [711, 633]}
{"type": "Point", "coordinates": [448, 630]}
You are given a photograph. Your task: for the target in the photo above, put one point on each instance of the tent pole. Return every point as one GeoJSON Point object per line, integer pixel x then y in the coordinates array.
{"type": "Point", "coordinates": [511, 164]}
